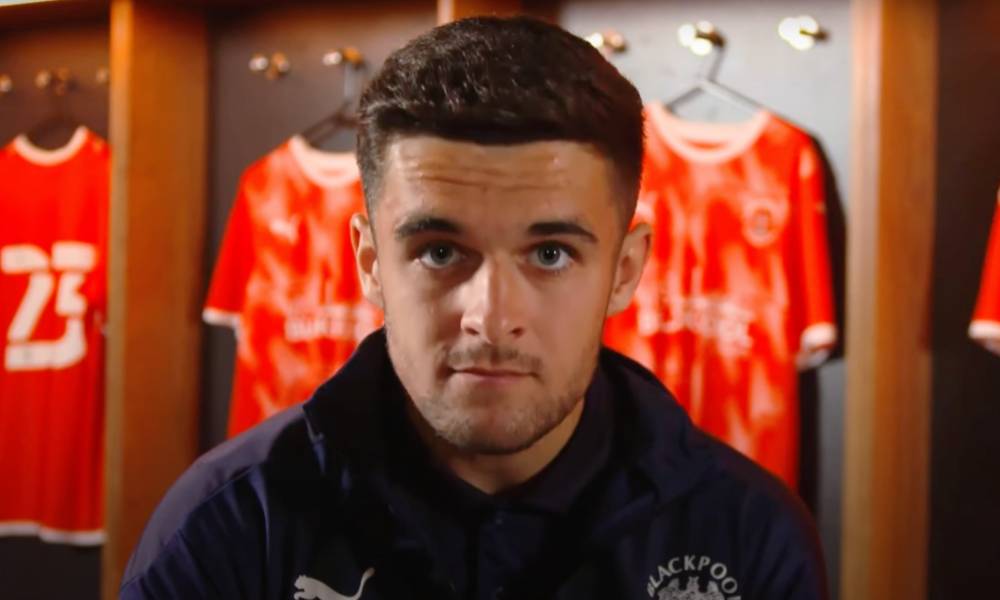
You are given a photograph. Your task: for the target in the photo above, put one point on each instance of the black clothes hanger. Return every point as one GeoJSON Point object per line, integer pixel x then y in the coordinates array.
{"type": "Point", "coordinates": [53, 131]}
{"type": "Point", "coordinates": [57, 127]}
{"type": "Point", "coordinates": [338, 120]}
{"type": "Point", "coordinates": [345, 116]}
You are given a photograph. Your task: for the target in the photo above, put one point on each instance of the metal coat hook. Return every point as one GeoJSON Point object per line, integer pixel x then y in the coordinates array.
{"type": "Point", "coordinates": [801, 32]}
{"type": "Point", "coordinates": [608, 42]}
{"type": "Point", "coordinates": [58, 81]}
{"type": "Point", "coordinates": [6, 84]}
{"type": "Point", "coordinates": [348, 55]}
{"type": "Point", "coordinates": [354, 60]}
{"type": "Point", "coordinates": [273, 67]}
{"type": "Point", "coordinates": [701, 37]}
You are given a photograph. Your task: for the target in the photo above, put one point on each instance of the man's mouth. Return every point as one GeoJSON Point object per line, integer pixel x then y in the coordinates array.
{"type": "Point", "coordinates": [490, 372]}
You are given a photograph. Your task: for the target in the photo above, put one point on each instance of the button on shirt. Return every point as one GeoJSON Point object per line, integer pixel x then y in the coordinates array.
{"type": "Point", "coordinates": [481, 543]}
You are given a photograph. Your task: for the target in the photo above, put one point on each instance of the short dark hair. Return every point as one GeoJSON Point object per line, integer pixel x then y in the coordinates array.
{"type": "Point", "coordinates": [494, 80]}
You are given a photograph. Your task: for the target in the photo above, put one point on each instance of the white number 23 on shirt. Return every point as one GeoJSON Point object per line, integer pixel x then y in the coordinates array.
{"type": "Point", "coordinates": [69, 264]}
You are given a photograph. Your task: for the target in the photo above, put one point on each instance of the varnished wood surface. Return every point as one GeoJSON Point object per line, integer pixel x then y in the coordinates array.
{"type": "Point", "coordinates": [452, 10]}
{"type": "Point", "coordinates": [890, 244]}
{"type": "Point", "coordinates": [20, 17]}
{"type": "Point", "coordinates": [159, 59]}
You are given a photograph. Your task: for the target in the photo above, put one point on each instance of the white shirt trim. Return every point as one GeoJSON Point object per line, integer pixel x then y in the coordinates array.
{"type": "Point", "coordinates": [51, 535]}
{"type": "Point", "coordinates": [325, 169]}
{"type": "Point", "coordinates": [816, 343]}
{"type": "Point", "coordinates": [725, 140]}
{"type": "Point", "coordinates": [986, 333]}
{"type": "Point", "coordinates": [223, 318]}
{"type": "Point", "coordinates": [215, 316]}
{"type": "Point", "coordinates": [47, 158]}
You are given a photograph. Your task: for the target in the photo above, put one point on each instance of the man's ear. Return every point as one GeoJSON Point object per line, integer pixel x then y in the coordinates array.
{"type": "Point", "coordinates": [366, 259]}
{"type": "Point", "coordinates": [628, 269]}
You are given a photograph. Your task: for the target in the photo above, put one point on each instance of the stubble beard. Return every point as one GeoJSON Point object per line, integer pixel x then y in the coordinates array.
{"type": "Point", "coordinates": [475, 431]}
{"type": "Point", "coordinates": [471, 432]}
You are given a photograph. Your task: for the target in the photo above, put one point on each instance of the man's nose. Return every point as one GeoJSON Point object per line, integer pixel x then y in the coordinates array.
{"type": "Point", "coordinates": [494, 301]}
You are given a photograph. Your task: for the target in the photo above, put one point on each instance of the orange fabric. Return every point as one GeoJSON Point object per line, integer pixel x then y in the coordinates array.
{"type": "Point", "coordinates": [985, 327]}
{"type": "Point", "coordinates": [285, 279]}
{"type": "Point", "coordinates": [737, 289]}
{"type": "Point", "coordinates": [53, 238]}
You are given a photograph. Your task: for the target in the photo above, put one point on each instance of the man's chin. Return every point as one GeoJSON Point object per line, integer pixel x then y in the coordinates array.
{"type": "Point", "coordinates": [495, 447]}
{"type": "Point", "coordinates": [494, 424]}
{"type": "Point", "coordinates": [491, 440]}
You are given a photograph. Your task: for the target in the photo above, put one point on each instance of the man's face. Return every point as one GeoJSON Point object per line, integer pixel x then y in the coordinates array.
{"type": "Point", "coordinates": [494, 266]}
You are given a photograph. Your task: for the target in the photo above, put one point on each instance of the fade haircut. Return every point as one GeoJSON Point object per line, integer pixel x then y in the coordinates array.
{"type": "Point", "coordinates": [495, 81]}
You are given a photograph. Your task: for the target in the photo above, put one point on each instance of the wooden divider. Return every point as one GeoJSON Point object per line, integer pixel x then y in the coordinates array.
{"type": "Point", "coordinates": [890, 244]}
{"type": "Point", "coordinates": [451, 10]}
{"type": "Point", "coordinates": [158, 129]}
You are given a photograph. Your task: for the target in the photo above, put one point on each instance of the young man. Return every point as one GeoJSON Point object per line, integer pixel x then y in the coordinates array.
{"type": "Point", "coordinates": [484, 445]}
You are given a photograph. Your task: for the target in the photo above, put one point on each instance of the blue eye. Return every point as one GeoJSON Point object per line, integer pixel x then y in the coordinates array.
{"type": "Point", "coordinates": [439, 256]}
{"type": "Point", "coordinates": [551, 257]}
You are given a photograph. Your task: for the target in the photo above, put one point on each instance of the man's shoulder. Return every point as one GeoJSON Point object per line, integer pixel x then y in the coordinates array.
{"type": "Point", "coordinates": [768, 525]}
{"type": "Point", "coordinates": [775, 530]}
{"type": "Point", "coordinates": [238, 472]}
{"type": "Point", "coordinates": [691, 463]}
{"type": "Point", "coordinates": [281, 473]}
{"type": "Point", "coordinates": [721, 470]}
{"type": "Point", "coordinates": [737, 476]}
{"type": "Point", "coordinates": [283, 442]}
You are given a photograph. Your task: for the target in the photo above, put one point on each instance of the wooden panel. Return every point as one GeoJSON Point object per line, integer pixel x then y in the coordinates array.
{"type": "Point", "coordinates": [158, 129]}
{"type": "Point", "coordinates": [965, 458]}
{"type": "Point", "coordinates": [861, 305]}
{"type": "Point", "coordinates": [891, 221]}
{"type": "Point", "coordinates": [452, 10]}
{"type": "Point", "coordinates": [23, 16]}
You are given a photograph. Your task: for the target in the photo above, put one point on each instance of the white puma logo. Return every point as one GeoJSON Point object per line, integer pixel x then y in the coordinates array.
{"type": "Point", "coordinates": [312, 589]}
{"type": "Point", "coordinates": [286, 228]}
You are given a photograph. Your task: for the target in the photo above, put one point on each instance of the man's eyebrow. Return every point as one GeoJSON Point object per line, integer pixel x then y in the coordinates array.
{"type": "Point", "coordinates": [545, 228]}
{"type": "Point", "coordinates": [423, 224]}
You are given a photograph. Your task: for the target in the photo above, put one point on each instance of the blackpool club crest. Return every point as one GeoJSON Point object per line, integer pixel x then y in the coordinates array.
{"type": "Point", "coordinates": [693, 577]}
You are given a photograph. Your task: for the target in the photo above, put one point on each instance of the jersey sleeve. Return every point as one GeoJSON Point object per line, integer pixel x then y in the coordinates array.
{"type": "Point", "coordinates": [814, 331]}
{"type": "Point", "coordinates": [227, 291]}
{"type": "Point", "coordinates": [985, 326]}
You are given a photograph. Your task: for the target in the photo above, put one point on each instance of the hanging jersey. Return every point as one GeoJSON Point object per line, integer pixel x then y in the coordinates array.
{"type": "Point", "coordinates": [985, 327]}
{"type": "Point", "coordinates": [737, 290]}
{"type": "Point", "coordinates": [285, 279]}
{"type": "Point", "coordinates": [53, 232]}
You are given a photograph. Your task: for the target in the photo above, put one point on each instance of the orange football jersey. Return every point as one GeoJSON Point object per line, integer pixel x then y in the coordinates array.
{"type": "Point", "coordinates": [985, 326]}
{"type": "Point", "coordinates": [53, 234]}
{"type": "Point", "coordinates": [285, 279]}
{"type": "Point", "coordinates": [737, 290]}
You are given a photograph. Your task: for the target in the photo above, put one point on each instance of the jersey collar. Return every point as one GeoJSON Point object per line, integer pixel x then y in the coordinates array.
{"type": "Point", "coordinates": [47, 158]}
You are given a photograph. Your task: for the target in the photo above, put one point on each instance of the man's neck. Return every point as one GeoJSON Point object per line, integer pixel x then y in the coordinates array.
{"type": "Point", "coordinates": [494, 473]}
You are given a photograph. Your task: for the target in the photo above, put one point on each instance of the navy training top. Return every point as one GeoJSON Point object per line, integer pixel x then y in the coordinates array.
{"type": "Point", "coordinates": [338, 500]}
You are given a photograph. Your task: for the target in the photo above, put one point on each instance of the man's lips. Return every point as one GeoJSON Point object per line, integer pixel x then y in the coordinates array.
{"type": "Point", "coordinates": [490, 372]}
